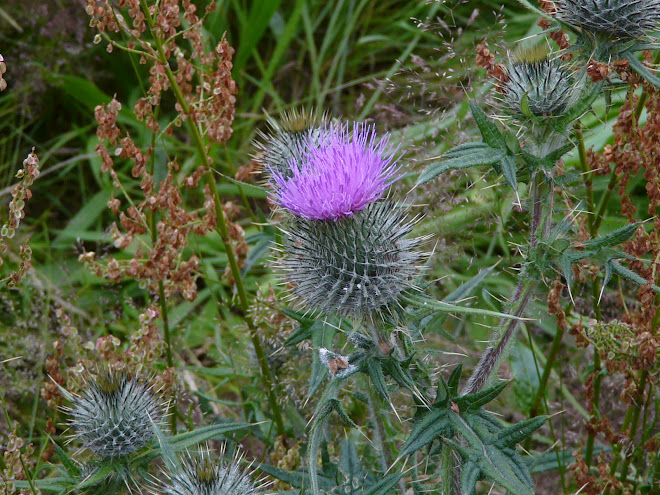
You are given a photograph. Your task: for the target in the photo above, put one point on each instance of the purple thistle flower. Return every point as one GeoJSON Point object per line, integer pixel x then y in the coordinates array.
{"type": "Point", "coordinates": [350, 169]}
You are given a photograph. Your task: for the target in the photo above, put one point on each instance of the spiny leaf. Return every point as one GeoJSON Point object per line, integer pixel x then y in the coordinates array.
{"type": "Point", "coordinates": [474, 401]}
{"type": "Point", "coordinates": [641, 69]}
{"type": "Point", "coordinates": [510, 436]}
{"type": "Point", "coordinates": [383, 486]}
{"type": "Point", "coordinates": [453, 160]}
{"type": "Point", "coordinates": [454, 379]}
{"type": "Point", "coordinates": [614, 238]}
{"type": "Point", "coordinates": [375, 371]}
{"type": "Point", "coordinates": [489, 131]}
{"type": "Point", "coordinates": [508, 170]}
{"type": "Point", "coordinates": [470, 474]}
{"type": "Point", "coordinates": [431, 425]}
{"type": "Point", "coordinates": [425, 302]}
{"type": "Point", "coordinates": [581, 107]}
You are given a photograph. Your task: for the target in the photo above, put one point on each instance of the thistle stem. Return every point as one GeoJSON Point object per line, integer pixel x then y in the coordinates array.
{"type": "Point", "coordinates": [492, 357]}
{"type": "Point", "coordinates": [221, 225]}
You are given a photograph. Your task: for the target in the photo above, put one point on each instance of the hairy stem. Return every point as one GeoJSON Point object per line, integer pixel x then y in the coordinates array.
{"type": "Point", "coordinates": [221, 226]}
{"type": "Point", "coordinates": [492, 357]}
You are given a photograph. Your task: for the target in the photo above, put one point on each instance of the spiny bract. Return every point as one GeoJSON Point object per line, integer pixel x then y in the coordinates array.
{"type": "Point", "coordinates": [617, 20]}
{"type": "Point", "coordinates": [353, 266]}
{"type": "Point", "coordinates": [113, 414]}
{"type": "Point", "coordinates": [200, 475]}
{"type": "Point", "coordinates": [546, 84]}
{"type": "Point", "coordinates": [351, 168]}
{"type": "Point", "coordinates": [288, 139]}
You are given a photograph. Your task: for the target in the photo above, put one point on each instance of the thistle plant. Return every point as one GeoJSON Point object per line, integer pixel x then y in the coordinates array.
{"type": "Point", "coordinates": [289, 138]}
{"type": "Point", "coordinates": [610, 30]}
{"type": "Point", "coordinates": [114, 413]}
{"type": "Point", "coordinates": [201, 473]}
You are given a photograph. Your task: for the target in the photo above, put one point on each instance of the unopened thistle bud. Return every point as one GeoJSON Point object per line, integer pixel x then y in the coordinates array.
{"type": "Point", "coordinates": [538, 86]}
{"type": "Point", "coordinates": [348, 170]}
{"type": "Point", "coordinates": [611, 20]}
{"type": "Point", "coordinates": [113, 414]}
{"type": "Point", "coordinates": [200, 474]}
{"type": "Point", "coordinates": [355, 265]}
{"type": "Point", "coordinates": [288, 139]}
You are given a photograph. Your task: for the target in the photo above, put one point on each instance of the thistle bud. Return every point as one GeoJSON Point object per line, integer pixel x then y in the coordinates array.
{"type": "Point", "coordinates": [611, 20]}
{"type": "Point", "coordinates": [289, 139]}
{"type": "Point", "coordinates": [113, 414]}
{"type": "Point", "coordinates": [200, 474]}
{"type": "Point", "coordinates": [352, 266]}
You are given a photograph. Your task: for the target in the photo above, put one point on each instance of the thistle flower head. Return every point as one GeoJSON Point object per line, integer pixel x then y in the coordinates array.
{"type": "Point", "coordinates": [200, 474]}
{"type": "Point", "coordinates": [289, 139]}
{"type": "Point", "coordinates": [616, 20]}
{"type": "Point", "coordinates": [113, 414]}
{"type": "Point", "coordinates": [339, 176]}
{"type": "Point", "coordinates": [354, 266]}
{"type": "Point", "coordinates": [538, 85]}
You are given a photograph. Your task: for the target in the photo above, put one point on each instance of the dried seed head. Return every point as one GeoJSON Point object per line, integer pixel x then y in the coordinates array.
{"type": "Point", "coordinates": [350, 168]}
{"type": "Point", "coordinates": [113, 414]}
{"type": "Point", "coordinates": [353, 266]}
{"type": "Point", "coordinates": [539, 85]}
{"type": "Point", "coordinates": [288, 139]}
{"type": "Point", "coordinates": [200, 474]}
{"type": "Point", "coordinates": [615, 20]}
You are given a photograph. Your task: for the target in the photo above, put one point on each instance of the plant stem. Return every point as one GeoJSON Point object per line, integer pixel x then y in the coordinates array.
{"type": "Point", "coordinates": [636, 409]}
{"type": "Point", "coordinates": [221, 226]}
{"type": "Point", "coordinates": [547, 370]}
{"type": "Point", "coordinates": [492, 357]}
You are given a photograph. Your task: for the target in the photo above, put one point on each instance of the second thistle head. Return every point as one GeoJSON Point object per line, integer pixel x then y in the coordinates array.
{"type": "Point", "coordinates": [113, 414]}
{"type": "Point", "coordinates": [202, 474]}
{"type": "Point", "coordinates": [610, 23]}
{"type": "Point", "coordinates": [348, 170]}
{"type": "Point", "coordinates": [289, 139]}
{"type": "Point", "coordinates": [354, 266]}
{"type": "Point", "coordinates": [538, 86]}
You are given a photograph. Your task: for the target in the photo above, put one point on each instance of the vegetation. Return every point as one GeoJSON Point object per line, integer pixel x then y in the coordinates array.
{"type": "Point", "coordinates": [329, 247]}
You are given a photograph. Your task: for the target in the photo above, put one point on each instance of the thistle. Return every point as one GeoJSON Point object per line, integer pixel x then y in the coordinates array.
{"type": "Point", "coordinates": [618, 21]}
{"type": "Point", "coordinates": [348, 170]}
{"type": "Point", "coordinates": [352, 266]}
{"type": "Point", "coordinates": [538, 92]}
{"type": "Point", "coordinates": [113, 414]}
{"type": "Point", "coordinates": [199, 474]}
{"type": "Point", "coordinates": [289, 139]}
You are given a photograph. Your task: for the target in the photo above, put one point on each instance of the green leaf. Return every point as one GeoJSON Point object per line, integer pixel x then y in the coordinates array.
{"type": "Point", "coordinates": [375, 371]}
{"type": "Point", "coordinates": [66, 461]}
{"type": "Point", "coordinates": [489, 131]}
{"type": "Point", "coordinates": [186, 440]}
{"type": "Point", "coordinates": [425, 302]}
{"type": "Point", "coordinates": [472, 157]}
{"type": "Point", "coordinates": [510, 436]}
{"type": "Point", "coordinates": [473, 402]}
{"type": "Point", "coordinates": [431, 425]}
{"type": "Point", "coordinates": [641, 69]}
{"type": "Point", "coordinates": [454, 379]}
{"type": "Point", "coordinates": [581, 107]}
{"type": "Point", "coordinates": [508, 169]}
{"type": "Point", "coordinates": [383, 486]}
{"type": "Point", "coordinates": [470, 474]}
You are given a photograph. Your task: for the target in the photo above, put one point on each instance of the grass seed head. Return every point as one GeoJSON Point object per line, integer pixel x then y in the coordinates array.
{"type": "Point", "coordinates": [353, 266]}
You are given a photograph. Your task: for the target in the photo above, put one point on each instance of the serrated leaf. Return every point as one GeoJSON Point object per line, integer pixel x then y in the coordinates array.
{"type": "Point", "coordinates": [470, 474]}
{"type": "Point", "coordinates": [383, 486]}
{"type": "Point", "coordinates": [454, 379]}
{"type": "Point", "coordinates": [502, 466]}
{"type": "Point", "coordinates": [424, 302]}
{"type": "Point", "coordinates": [509, 170]}
{"type": "Point", "coordinates": [66, 461]}
{"type": "Point", "coordinates": [489, 131]}
{"type": "Point", "coordinates": [474, 401]}
{"type": "Point", "coordinates": [510, 436]}
{"type": "Point", "coordinates": [455, 159]}
{"type": "Point", "coordinates": [375, 371]}
{"type": "Point", "coordinates": [581, 107]}
{"type": "Point", "coordinates": [641, 69]}
{"type": "Point", "coordinates": [431, 425]}
{"type": "Point", "coordinates": [614, 238]}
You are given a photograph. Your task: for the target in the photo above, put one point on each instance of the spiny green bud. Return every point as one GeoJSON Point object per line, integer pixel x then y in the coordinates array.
{"type": "Point", "coordinates": [613, 20]}
{"type": "Point", "coordinates": [113, 414]}
{"type": "Point", "coordinates": [538, 86]}
{"type": "Point", "coordinates": [200, 474]}
{"type": "Point", "coordinates": [288, 140]}
{"type": "Point", "coordinates": [353, 266]}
